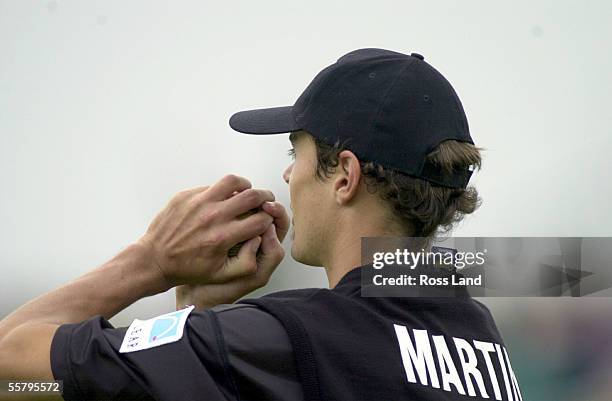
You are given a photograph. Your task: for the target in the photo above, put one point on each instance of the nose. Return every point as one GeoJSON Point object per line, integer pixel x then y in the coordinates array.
{"type": "Point", "coordinates": [287, 173]}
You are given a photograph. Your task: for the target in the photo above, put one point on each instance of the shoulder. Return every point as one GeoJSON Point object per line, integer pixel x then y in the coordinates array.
{"type": "Point", "coordinates": [259, 351]}
{"type": "Point", "coordinates": [285, 296]}
{"type": "Point", "coordinates": [248, 327]}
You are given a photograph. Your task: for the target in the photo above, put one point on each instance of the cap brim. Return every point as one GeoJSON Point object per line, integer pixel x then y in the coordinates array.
{"type": "Point", "coordinates": [274, 120]}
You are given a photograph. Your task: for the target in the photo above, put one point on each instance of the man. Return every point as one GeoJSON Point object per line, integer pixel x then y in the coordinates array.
{"type": "Point", "coordinates": [382, 148]}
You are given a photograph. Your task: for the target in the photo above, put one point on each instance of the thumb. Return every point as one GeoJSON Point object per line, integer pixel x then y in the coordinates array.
{"type": "Point", "coordinates": [245, 263]}
{"type": "Point", "coordinates": [272, 251]}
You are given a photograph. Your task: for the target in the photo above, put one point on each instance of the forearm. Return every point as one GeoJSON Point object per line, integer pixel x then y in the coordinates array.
{"type": "Point", "coordinates": [105, 290]}
{"type": "Point", "coordinates": [187, 242]}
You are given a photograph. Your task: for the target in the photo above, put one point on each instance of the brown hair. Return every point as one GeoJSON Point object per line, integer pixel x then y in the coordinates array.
{"type": "Point", "coordinates": [418, 208]}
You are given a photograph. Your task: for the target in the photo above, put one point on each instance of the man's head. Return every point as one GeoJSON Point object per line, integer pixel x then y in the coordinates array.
{"type": "Point", "coordinates": [331, 191]}
{"type": "Point", "coordinates": [382, 148]}
{"type": "Point", "coordinates": [324, 206]}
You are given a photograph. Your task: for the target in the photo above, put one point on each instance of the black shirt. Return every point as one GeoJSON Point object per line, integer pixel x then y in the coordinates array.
{"type": "Point", "coordinates": [335, 341]}
{"type": "Point", "coordinates": [422, 347]}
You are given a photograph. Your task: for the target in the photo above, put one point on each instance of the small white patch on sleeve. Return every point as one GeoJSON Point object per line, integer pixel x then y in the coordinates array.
{"type": "Point", "coordinates": [160, 330]}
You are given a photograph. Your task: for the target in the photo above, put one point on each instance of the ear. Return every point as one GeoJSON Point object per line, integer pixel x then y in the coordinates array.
{"type": "Point", "coordinates": [347, 177]}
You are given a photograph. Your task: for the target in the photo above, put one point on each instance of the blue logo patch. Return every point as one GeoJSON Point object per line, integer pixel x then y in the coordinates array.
{"type": "Point", "coordinates": [165, 326]}
{"type": "Point", "coordinates": [164, 329]}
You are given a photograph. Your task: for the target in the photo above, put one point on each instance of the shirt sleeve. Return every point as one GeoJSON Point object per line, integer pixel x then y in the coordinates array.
{"type": "Point", "coordinates": [85, 356]}
{"type": "Point", "coordinates": [230, 352]}
{"type": "Point", "coordinates": [259, 353]}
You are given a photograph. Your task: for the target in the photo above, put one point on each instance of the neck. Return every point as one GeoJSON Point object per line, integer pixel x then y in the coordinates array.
{"type": "Point", "coordinates": [345, 257]}
{"type": "Point", "coordinates": [345, 249]}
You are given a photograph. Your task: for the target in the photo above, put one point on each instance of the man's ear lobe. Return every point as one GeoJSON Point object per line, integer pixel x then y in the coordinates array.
{"type": "Point", "coordinates": [347, 183]}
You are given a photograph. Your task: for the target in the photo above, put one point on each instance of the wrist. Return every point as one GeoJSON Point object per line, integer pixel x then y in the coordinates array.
{"type": "Point", "coordinates": [186, 295]}
{"type": "Point", "coordinates": [137, 264]}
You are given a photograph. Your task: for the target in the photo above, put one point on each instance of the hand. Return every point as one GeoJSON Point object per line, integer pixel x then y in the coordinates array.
{"type": "Point", "coordinates": [270, 255]}
{"type": "Point", "coordinates": [189, 239]}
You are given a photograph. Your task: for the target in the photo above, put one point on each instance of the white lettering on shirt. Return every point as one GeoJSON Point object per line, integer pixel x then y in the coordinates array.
{"type": "Point", "coordinates": [417, 348]}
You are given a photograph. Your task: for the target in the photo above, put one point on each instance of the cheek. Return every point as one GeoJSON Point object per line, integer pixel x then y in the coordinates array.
{"type": "Point", "coordinates": [292, 196]}
{"type": "Point", "coordinates": [296, 184]}
{"type": "Point", "coordinates": [302, 188]}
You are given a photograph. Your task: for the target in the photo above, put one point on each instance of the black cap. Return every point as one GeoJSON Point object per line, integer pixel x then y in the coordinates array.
{"type": "Point", "coordinates": [386, 107]}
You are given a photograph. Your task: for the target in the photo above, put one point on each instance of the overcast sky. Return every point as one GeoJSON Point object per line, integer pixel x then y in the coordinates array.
{"type": "Point", "coordinates": [107, 108]}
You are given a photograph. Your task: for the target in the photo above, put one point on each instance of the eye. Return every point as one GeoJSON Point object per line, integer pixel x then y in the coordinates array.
{"type": "Point", "coordinates": [291, 153]}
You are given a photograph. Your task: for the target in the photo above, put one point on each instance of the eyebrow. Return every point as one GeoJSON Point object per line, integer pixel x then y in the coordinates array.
{"type": "Point", "coordinates": [293, 136]}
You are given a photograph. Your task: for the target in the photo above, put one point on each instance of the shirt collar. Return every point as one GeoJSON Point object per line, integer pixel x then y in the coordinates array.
{"type": "Point", "coordinates": [351, 281]}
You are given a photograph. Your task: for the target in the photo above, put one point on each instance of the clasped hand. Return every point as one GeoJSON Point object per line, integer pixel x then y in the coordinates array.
{"type": "Point", "coordinates": [189, 240]}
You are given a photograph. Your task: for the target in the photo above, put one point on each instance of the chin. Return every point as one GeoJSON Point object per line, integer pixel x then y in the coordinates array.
{"type": "Point", "coordinates": [299, 255]}
{"type": "Point", "coordinates": [295, 253]}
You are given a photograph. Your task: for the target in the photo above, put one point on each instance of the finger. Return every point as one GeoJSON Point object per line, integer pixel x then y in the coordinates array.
{"type": "Point", "coordinates": [245, 201]}
{"type": "Point", "coordinates": [226, 186]}
{"type": "Point", "coordinates": [272, 253]}
{"type": "Point", "coordinates": [239, 230]}
{"type": "Point", "coordinates": [281, 218]}
{"type": "Point", "coordinates": [245, 263]}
